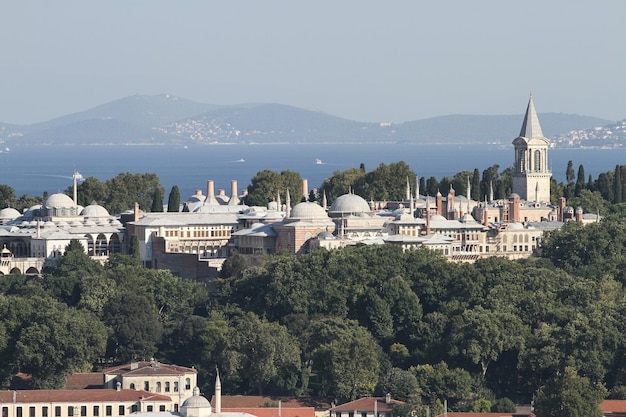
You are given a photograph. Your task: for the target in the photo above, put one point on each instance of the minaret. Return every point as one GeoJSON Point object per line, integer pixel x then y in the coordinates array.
{"type": "Point", "coordinates": [324, 201]}
{"type": "Point", "coordinates": [77, 176]}
{"type": "Point", "coordinates": [408, 189]}
{"type": "Point", "coordinates": [491, 191]}
{"type": "Point", "coordinates": [218, 394]}
{"type": "Point", "coordinates": [288, 204]}
{"type": "Point", "coordinates": [417, 187]}
{"type": "Point", "coordinates": [427, 215]}
{"type": "Point", "coordinates": [531, 170]}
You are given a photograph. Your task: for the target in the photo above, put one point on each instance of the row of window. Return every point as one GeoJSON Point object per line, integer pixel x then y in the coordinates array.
{"type": "Point", "coordinates": [75, 411]}
{"type": "Point", "coordinates": [166, 385]}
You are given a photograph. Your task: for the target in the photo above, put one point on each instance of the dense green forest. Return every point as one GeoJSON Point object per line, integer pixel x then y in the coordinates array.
{"type": "Point", "coordinates": [353, 321]}
{"type": "Point", "coordinates": [342, 323]}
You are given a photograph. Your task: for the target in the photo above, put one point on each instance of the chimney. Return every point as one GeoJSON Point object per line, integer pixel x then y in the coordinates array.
{"type": "Point", "coordinates": [136, 213]}
{"type": "Point", "coordinates": [221, 192]}
{"type": "Point", "coordinates": [388, 399]}
{"type": "Point", "coordinates": [514, 208]}
{"type": "Point", "coordinates": [305, 188]}
{"type": "Point", "coordinates": [233, 188]}
{"type": "Point", "coordinates": [579, 214]}
{"type": "Point", "coordinates": [210, 189]}
{"type": "Point", "coordinates": [562, 204]}
{"type": "Point", "coordinates": [198, 192]}
{"type": "Point", "coordinates": [234, 198]}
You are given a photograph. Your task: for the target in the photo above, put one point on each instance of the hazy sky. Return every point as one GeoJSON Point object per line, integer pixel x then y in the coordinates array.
{"type": "Point", "coordinates": [359, 59]}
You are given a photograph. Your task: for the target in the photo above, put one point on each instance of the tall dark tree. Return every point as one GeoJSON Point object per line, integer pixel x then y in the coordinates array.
{"type": "Point", "coordinates": [173, 202]}
{"type": "Point", "coordinates": [476, 185]}
{"type": "Point", "coordinates": [133, 248]}
{"type": "Point", "coordinates": [432, 187]}
{"type": "Point", "coordinates": [580, 181]}
{"type": "Point", "coordinates": [157, 201]}
{"type": "Point", "coordinates": [569, 173]}
{"type": "Point", "coordinates": [617, 185]}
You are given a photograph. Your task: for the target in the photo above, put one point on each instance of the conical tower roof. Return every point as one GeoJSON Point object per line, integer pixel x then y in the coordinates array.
{"type": "Point", "coordinates": [531, 127]}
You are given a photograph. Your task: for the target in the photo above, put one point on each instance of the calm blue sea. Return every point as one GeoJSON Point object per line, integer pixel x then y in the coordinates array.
{"type": "Point", "coordinates": [33, 170]}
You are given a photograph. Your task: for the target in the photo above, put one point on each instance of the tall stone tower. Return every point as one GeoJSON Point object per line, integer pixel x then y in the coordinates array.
{"type": "Point", "coordinates": [531, 176]}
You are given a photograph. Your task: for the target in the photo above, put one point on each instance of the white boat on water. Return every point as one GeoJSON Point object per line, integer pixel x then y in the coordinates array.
{"type": "Point", "coordinates": [318, 161]}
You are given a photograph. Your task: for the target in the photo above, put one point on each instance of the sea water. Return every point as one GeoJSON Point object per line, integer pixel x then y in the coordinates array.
{"type": "Point", "coordinates": [33, 170]}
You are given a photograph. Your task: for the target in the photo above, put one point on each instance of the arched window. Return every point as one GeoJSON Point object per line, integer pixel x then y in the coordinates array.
{"type": "Point", "coordinates": [537, 162]}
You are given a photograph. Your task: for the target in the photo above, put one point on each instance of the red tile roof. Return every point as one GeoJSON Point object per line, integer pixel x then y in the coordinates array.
{"type": "Point", "coordinates": [148, 368]}
{"type": "Point", "coordinates": [613, 406]}
{"type": "Point", "coordinates": [274, 412]}
{"type": "Point", "coordinates": [256, 401]}
{"type": "Point", "coordinates": [464, 414]}
{"type": "Point", "coordinates": [86, 380]}
{"type": "Point", "coordinates": [74, 396]}
{"type": "Point", "coordinates": [367, 404]}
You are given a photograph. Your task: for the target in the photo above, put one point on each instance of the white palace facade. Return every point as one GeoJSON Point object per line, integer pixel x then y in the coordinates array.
{"type": "Point", "coordinates": [195, 242]}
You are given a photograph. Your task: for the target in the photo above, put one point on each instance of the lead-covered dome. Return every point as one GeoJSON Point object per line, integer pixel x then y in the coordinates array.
{"type": "Point", "coordinates": [349, 204]}
{"type": "Point", "coordinates": [95, 210]}
{"type": "Point", "coordinates": [9, 214]}
{"type": "Point", "coordinates": [308, 211]}
{"type": "Point", "coordinates": [59, 200]}
{"type": "Point", "coordinates": [196, 401]}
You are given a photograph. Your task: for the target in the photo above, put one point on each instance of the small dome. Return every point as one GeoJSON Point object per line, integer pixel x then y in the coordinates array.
{"type": "Point", "coordinates": [349, 204]}
{"type": "Point", "coordinates": [514, 195]}
{"type": "Point", "coordinates": [49, 225]}
{"type": "Point", "coordinates": [89, 223]}
{"type": "Point", "coordinates": [516, 226]}
{"type": "Point", "coordinates": [196, 401]}
{"type": "Point", "coordinates": [437, 217]}
{"type": "Point", "coordinates": [94, 210]}
{"type": "Point", "coordinates": [9, 214]}
{"type": "Point", "coordinates": [308, 211]}
{"type": "Point", "coordinates": [59, 200]}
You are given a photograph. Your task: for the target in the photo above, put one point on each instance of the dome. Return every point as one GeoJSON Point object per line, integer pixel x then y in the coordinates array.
{"type": "Point", "coordinates": [94, 210]}
{"type": "Point", "coordinates": [89, 223]}
{"type": "Point", "coordinates": [49, 225]}
{"type": "Point", "coordinates": [308, 211]}
{"type": "Point", "coordinates": [513, 196]}
{"type": "Point", "coordinates": [9, 214]}
{"type": "Point", "coordinates": [196, 401]}
{"type": "Point", "coordinates": [349, 204]}
{"type": "Point", "coordinates": [59, 200]}
{"type": "Point", "coordinates": [437, 217]}
{"type": "Point", "coordinates": [516, 226]}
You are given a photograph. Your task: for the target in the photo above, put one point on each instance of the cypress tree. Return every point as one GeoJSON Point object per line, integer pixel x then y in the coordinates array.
{"type": "Point", "coordinates": [157, 201]}
{"type": "Point", "coordinates": [617, 185]}
{"type": "Point", "coordinates": [580, 181]}
{"type": "Point", "coordinates": [569, 173]}
{"type": "Point", "coordinates": [173, 203]}
{"type": "Point", "coordinates": [476, 185]}
{"type": "Point", "coordinates": [133, 249]}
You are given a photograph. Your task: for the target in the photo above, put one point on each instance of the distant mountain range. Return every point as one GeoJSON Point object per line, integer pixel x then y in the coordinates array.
{"type": "Point", "coordinates": [166, 119]}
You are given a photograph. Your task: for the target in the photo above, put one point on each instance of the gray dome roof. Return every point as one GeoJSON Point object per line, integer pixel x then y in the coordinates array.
{"type": "Point", "coordinates": [9, 214]}
{"type": "Point", "coordinates": [197, 401]}
{"type": "Point", "coordinates": [59, 200]}
{"type": "Point", "coordinates": [94, 210]}
{"type": "Point", "coordinates": [308, 211]}
{"type": "Point", "coordinates": [349, 203]}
